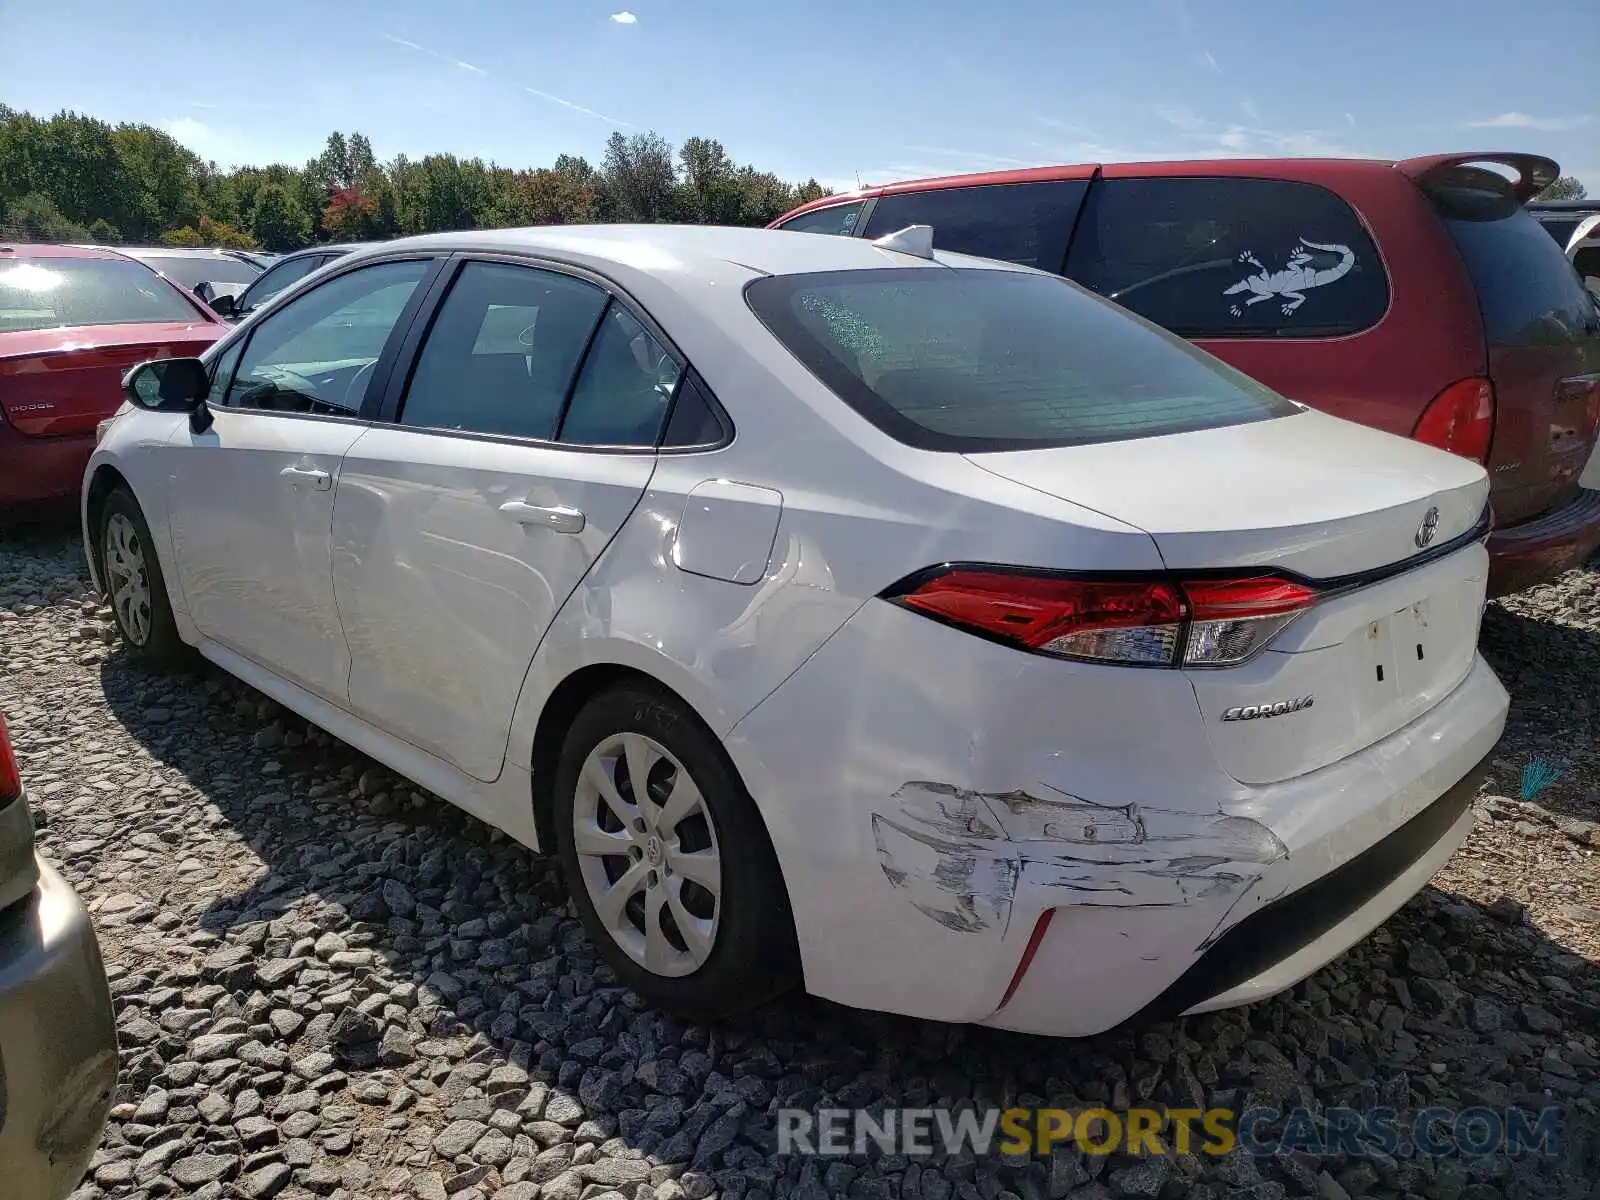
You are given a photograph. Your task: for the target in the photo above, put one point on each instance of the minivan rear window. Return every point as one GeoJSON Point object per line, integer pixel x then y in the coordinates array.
{"type": "Point", "coordinates": [973, 360]}
{"type": "Point", "coordinates": [1528, 292]}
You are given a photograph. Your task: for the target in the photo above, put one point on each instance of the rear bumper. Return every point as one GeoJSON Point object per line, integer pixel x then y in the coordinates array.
{"type": "Point", "coordinates": [41, 470]}
{"type": "Point", "coordinates": [928, 817]}
{"type": "Point", "coordinates": [1539, 550]}
{"type": "Point", "coordinates": [58, 1043]}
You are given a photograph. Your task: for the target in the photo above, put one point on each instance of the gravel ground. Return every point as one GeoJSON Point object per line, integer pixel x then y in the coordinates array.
{"type": "Point", "coordinates": [331, 984]}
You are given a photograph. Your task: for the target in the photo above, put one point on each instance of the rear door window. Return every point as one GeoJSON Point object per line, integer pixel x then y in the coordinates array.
{"type": "Point", "coordinates": [839, 219]}
{"type": "Point", "coordinates": [1226, 258]}
{"type": "Point", "coordinates": [1528, 291]}
{"type": "Point", "coordinates": [976, 360]}
{"type": "Point", "coordinates": [1024, 223]}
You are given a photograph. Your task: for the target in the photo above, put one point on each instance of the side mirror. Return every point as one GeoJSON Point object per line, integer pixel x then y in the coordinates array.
{"type": "Point", "coordinates": [177, 385]}
{"type": "Point", "coordinates": [224, 305]}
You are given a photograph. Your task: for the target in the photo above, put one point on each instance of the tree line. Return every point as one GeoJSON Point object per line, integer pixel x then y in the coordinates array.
{"type": "Point", "coordinates": [74, 178]}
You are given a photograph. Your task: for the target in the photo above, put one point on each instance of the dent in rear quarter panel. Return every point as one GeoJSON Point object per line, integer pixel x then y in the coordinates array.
{"type": "Point", "coordinates": [1431, 336]}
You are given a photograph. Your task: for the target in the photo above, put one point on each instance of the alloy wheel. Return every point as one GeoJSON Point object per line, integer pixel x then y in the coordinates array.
{"type": "Point", "coordinates": [128, 579]}
{"type": "Point", "coordinates": [648, 854]}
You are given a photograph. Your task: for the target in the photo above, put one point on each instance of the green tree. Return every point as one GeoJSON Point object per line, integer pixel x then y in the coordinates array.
{"type": "Point", "coordinates": [640, 176]}
{"type": "Point", "coordinates": [1566, 187]}
{"type": "Point", "coordinates": [277, 220]}
{"type": "Point", "coordinates": [103, 233]}
{"type": "Point", "coordinates": [37, 219]}
{"type": "Point", "coordinates": [187, 236]}
{"type": "Point", "coordinates": [712, 191]}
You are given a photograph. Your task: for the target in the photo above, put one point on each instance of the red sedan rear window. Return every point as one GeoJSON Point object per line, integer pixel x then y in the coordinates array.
{"type": "Point", "coordinates": [47, 293]}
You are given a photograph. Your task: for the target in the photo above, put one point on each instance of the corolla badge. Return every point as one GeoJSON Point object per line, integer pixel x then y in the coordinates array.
{"type": "Point", "coordinates": [1429, 529]}
{"type": "Point", "coordinates": [1255, 712]}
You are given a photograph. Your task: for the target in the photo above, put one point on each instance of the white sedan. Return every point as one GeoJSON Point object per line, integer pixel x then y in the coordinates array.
{"type": "Point", "coordinates": [917, 628]}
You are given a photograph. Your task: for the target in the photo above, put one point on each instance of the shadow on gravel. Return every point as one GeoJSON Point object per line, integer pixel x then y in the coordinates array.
{"type": "Point", "coordinates": [434, 966]}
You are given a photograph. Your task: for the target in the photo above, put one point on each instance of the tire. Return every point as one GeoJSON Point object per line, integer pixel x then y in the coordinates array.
{"type": "Point", "coordinates": [742, 950]}
{"type": "Point", "coordinates": [128, 561]}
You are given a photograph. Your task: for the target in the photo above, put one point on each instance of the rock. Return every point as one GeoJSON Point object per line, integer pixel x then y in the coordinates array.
{"type": "Point", "coordinates": [203, 1168]}
{"type": "Point", "coordinates": [1538, 1020]}
{"type": "Point", "coordinates": [209, 1047]}
{"type": "Point", "coordinates": [459, 1137]}
{"type": "Point", "coordinates": [396, 1047]}
{"type": "Point", "coordinates": [352, 1027]}
{"type": "Point", "coordinates": [397, 896]}
{"type": "Point", "coordinates": [265, 1182]}
{"type": "Point", "coordinates": [1426, 961]}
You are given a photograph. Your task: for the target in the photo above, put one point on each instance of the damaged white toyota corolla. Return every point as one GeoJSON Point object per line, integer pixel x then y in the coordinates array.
{"type": "Point", "coordinates": [918, 628]}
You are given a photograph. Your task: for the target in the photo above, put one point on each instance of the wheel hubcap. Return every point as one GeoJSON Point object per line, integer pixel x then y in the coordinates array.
{"type": "Point", "coordinates": [648, 854]}
{"type": "Point", "coordinates": [128, 579]}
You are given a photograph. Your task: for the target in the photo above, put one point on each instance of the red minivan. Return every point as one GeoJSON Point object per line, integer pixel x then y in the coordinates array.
{"type": "Point", "coordinates": [1418, 297]}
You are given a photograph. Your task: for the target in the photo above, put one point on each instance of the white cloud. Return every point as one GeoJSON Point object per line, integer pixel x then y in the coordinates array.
{"type": "Point", "coordinates": [400, 41]}
{"type": "Point", "coordinates": [1350, 119]}
{"type": "Point", "coordinates": [466, 66]}
{"type": "Point", "coordinates": [1517, 120]}
{"type": "Point", "coordinates": [1210, 59]}
{"type": "Point", "coordinates": [624, 18]}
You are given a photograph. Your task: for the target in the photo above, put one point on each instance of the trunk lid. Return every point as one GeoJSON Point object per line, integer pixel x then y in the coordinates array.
{"type": "Point", "coordinates": [64, 381]}
{"type": "Point", "coordinates": [1337, 504]}
{"type": "Point", "coordinates": [1542, 330]}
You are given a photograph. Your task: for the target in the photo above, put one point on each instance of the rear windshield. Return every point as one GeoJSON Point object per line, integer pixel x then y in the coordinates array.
{"type": "Point", "coordinates": [1528, 292]}
{"type": "Point", "coordinates": [976, 360]}
{"type": "Point", "coordinates": [50, 292]}
{"type": "Point", "coordinates": [194, 271]}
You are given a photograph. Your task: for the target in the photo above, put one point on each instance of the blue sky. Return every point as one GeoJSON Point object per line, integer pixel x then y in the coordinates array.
{"type": "Point", "coordinates": [886, 90]}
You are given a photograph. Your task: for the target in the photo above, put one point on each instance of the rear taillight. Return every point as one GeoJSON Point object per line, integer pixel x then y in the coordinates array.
{"type": "Point", "coordinates": [10, 777]}
{"type": "Point", "coordinates": [1135, 622]}
{"type": "Point", "coordinates": [1460, 419]}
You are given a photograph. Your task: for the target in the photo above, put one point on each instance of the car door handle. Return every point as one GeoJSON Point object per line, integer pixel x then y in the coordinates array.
{"type": "Point", "coordinates": [320, 481]}
{"type": "Point", "coordinates": [554, 517]}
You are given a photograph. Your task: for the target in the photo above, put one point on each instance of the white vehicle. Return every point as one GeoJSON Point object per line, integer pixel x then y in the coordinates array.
{"type": "Point", "coordinates": [919, 628]}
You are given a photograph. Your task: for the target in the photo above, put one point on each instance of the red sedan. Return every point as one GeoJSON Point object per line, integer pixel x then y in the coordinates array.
{"type": "Point", "coordinates": [72, 320]}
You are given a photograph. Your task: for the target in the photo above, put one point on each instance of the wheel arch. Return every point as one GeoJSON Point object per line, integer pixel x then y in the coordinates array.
{"type": "Point", "coordinates": [561, 708]}
{"type": "Point", "coordinates": [105, 480]}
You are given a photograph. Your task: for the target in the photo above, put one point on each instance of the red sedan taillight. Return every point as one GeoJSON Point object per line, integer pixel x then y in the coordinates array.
{"type": "Point", "coordinates": [10, 777]}
{"type": "Point", "coordinates": [1201, 622]}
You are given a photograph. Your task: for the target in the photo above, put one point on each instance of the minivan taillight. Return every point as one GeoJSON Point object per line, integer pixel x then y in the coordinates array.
{"type": "Point", "coordinates": [1152, 622]}
{"type": "Point", "coordinates": [1460, 419]}
{"type": "Point", "coordinates": [10, 777]}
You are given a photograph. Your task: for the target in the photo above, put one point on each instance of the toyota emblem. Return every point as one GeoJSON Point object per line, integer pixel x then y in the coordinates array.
{"type": "Point", "coordinates": [1428, 528]}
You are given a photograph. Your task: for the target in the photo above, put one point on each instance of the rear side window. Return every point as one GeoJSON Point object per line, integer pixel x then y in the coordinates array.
{"type": "Point", "coordinates": [975, 360]}
{"type": "Point", "coordinates": [839, 219]}
{"type": "Point", "coordinates": [194, 271]}
{"type": "Point", "coordinates": [276, 279]}
{"type": "Point", "coordinates": [503, 351]}
{"type": "Point", "coordinates": [1528, 291]}
{"type": "Point", "coordinates": [1216, 258]}
{"type": "Point", "coordinates": [1024, 223]}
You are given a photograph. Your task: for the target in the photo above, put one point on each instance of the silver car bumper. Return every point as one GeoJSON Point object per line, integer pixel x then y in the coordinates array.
{"type": "Point", "coordinates": [58, 1041]}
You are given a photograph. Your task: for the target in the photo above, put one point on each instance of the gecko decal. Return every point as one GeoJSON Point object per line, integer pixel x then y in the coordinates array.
{"type": "Point", "coordinates": [1291, 283]}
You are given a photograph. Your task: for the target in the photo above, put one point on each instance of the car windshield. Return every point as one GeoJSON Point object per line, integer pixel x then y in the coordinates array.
{"type": "Point", "coordinates": [973, 360]}
{"type": "Point", "coordinates": [50, 292]}
{"type": "Point", "coordinates": [192, 272]}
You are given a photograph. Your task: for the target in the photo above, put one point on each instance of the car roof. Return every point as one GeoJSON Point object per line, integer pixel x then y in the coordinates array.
{"type": "Point", "coordinates": [679, 250]}
{"type": "Point", "coordinates": [52, 250]}
{"type": "Point", "coordinates": [1331, 169]}
{"type": "Point", "coordinates": [178, 251]}
{"type": "Point", "coordinates": [1565, 205]}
